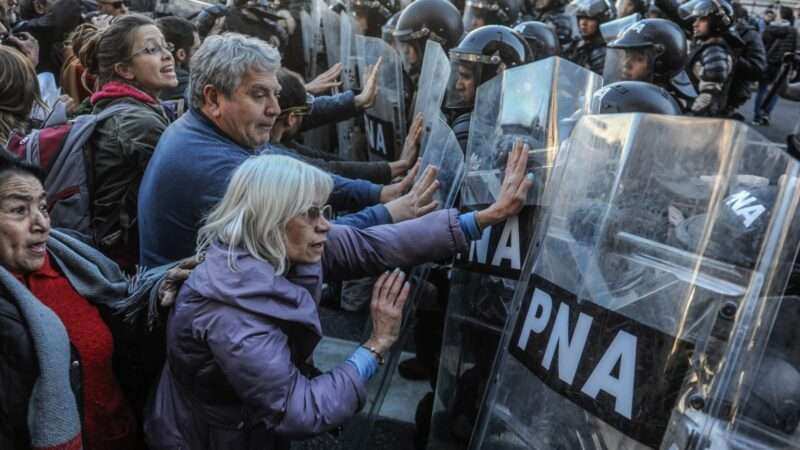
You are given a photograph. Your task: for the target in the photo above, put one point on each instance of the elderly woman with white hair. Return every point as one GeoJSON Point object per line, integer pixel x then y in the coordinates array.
{"type": "Point", "coordinates": [245, 323]}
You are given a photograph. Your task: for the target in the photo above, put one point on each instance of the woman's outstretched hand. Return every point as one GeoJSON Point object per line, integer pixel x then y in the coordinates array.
{"type": "Point", "coordinates": [388, 298]}
{"type": "Point", "coordinates": [513, 191]}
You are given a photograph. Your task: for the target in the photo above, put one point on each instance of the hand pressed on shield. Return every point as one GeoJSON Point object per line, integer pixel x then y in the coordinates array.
{"type": "Point", "coordinates": [325, 81]}
{"type": "Point", "coordinates": [410, 148]}
{"type": "Point", "coordinates": [513, 191]}
{"type": "Point", "coordinates": [419, 200]}
{"type": "Point", "coordinates": [366, 98]}
{"type": "Point", "coordinates": [388, 299]}
{"type": "Point", "coordinates": [173, 280]}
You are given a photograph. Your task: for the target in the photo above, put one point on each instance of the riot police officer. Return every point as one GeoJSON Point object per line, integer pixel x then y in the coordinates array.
{"type": "Point", "coordinates": [629, 7]}
{"type": "Point", "coordinates": [482, 54]}
{"type": "Point", "coordinates": [387, 30]}
{"type": "Point", "coordinates": [552, 12]}
{"type": "Point", "coordinates": [478, 13]}
{"type": "Point", "coordinates": [541, 37]}
{"type": "Point", "coordinates": [711, 60]}
{"type": "Point", "coordinates": [589, 50]}
{"type": "Point", "coordinates": [438, 20]}
{"type": "Point", "coordinates": [372, 14]}
{"type": "Point", "coordinates": [651, 50]}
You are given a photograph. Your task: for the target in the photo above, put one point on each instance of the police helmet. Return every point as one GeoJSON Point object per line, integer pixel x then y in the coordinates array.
{"type": "Point", "coordinates": [719, 12]}
{"type": "Point", "coordinates": [634, 96]}
{"type": "Point", "coordinates": [438, 20]}
{"type": "Point", "coordinates": [600, 10]}
{"type": "Point", "coordinates": [629, 7]}
{"type": "Point", "coordinates": [541, 37]}
{"type": "Point", "coordinates": [664, 37]}
{"type": "Point", "coordinates": [480, 56]}
{"type": "Point", "coordinates": [380, 8]}
{"type": "Point", "coordinates": [387, 30]}
{"type": "Point", "coordinates": [491, 12]}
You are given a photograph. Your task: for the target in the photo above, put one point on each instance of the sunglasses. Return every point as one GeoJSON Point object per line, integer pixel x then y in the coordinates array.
{"type": "Point", "coordinates": [315, 212]}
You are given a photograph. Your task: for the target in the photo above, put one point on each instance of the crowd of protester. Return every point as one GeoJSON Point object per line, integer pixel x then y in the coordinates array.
{"type": "Point", "coordinates": [204, 203]}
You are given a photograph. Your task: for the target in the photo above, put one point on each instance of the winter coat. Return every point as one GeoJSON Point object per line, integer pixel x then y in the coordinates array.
{"type": "Point", "coordinates": [99, 281]}
{"type": "Point", "coordinates": [237, 341]}
{"type": "Point", "coordinates": [122, 146]}
{"type": "Point", "coordinates": [778, 40]}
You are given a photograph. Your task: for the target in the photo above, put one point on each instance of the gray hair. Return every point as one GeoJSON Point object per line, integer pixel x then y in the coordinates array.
{"type": "Point", "coordinates": [223, 60]}
{"type": "Point", "coordinates": [264, 194]}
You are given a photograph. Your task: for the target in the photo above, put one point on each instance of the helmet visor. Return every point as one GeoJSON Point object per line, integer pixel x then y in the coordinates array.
{"type": "Point", "coordinates": [411, 55]}
{"type": "Point", "coordinates": [464, 82]}
{"type": "Point", "coordinates": [479, 13]}
{"type": "Point", "coordinates": [629, 64]}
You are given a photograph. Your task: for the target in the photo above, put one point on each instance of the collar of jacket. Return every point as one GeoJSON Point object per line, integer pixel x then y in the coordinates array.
{"type": "Point", "coordinates": [117, 89]}
{"type": "Point", "coordinates": [255, 287]}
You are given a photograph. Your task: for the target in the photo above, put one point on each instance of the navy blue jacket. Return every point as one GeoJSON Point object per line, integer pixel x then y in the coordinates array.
{"type": "Point", "coordinates": [189, 173]}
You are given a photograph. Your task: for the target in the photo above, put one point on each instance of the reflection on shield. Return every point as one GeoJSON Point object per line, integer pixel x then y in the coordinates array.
{"type": "Point", "coordinates": [349, 78]}
{"type": "Point", "coordinates": [431, 86]}
{"type": "Point", "coordinates": [648, 319]}
{"type": "Point", "coordinates": [385, 121]}
{"type": "Point", "coordinates": [537, 103]}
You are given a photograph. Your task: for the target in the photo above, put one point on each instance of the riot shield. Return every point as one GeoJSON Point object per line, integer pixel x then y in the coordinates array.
{"type": "Point", "coordinates": [349, 77]}
{"type": "Point", "coordinates": [610, 30]}
{"type": "Point", "coordinates": [432, 86]}
{"type": "Point", "coordinates": [645, 317]}
{"type": "Point", "coordinates": [555, 92]}
{"type": "Point", "coordinates": [331, 34]}
{"type": "Point", "coordinates": [385, 121]}
{"type": "Point", "coordinates": [180, 8]}
{"type": "Point", "coordinates": [444, 152]}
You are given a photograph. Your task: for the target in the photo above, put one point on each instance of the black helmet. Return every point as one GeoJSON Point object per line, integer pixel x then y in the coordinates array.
{"type": "Point", "coordinates": [478, 13]}
{"type": "Point", "coordinates": [387, 30]}
{"type": "Point", "coordinates": [541, 38]}
{"type": "Point", "coordinates": [719, 13]}
{"type": "Point", "coordinates": [438, 20]}
{"type": "Point", "coordinates": [633, 96]}
{"type": "Point", "coordinates": [664, 40]}
{"type": "Point", "coordinates": [600, 10]}
{"type": "Point", "coordinates": [479, 57]}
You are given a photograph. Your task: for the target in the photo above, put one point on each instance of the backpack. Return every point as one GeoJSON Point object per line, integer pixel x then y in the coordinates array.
{"type": "Point", "coordinates": [62, 152]}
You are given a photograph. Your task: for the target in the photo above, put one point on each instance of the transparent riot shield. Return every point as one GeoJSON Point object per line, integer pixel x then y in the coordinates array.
{"type": "Point", "coordinates": [349, 77]}
{"type": "Point", "coordinates": [331, 33]}
{"type": "Point", "coordinates": [646, 318]}
{"type": "Point", "coordinates": [444, 152]}
{"type": "Point", "coordinates": [612, 29]}
{"type": "Point", "coordinates": [432, 86]}
{"type": "Point", "coordinates": [180, 8]}
{"type": "Point", "coordinates": [319, 138]}
{"type": "Point", "coordinates": [539, 103]}
{"type": "Point", "coordinates": [385, 121]}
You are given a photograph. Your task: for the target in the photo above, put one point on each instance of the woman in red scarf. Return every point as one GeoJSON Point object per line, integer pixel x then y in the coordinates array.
{"type": "Point", "coordinates": [132, 63]}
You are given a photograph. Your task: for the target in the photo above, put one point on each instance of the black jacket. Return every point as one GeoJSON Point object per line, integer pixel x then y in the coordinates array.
{"type": "Point", "coordinates": [778, 40]}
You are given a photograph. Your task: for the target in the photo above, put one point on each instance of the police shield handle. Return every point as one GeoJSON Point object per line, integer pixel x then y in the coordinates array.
{"type": "Point", "coordinates": [513, 190]}
{"type": "Point", "coordinates": [410, 148]}
{"type": "Point", "coordinates": [366, 98]}
{"type": "Point", "coordinates": [419, 200]}
{"type": "Point", "coordinates": [388, 299]}
{"type": "Point", "coordinates": [325, 81]}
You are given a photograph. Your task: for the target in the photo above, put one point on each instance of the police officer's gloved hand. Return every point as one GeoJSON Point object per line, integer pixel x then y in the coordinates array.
{"type": "Point", "coordinates": [702, 103]}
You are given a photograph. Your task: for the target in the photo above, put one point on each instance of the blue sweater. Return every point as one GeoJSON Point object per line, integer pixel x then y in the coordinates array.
{"type": "Point", "coordinates": [189, 173]}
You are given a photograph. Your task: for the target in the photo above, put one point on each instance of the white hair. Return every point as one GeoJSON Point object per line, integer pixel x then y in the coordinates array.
{"type": "Point", "coordinates": [264, 193]}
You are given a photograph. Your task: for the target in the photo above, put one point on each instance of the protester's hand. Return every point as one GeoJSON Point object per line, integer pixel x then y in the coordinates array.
{"type": "Point", "coordinates": [394, 191]}
{"type": "Point", "coordinates": [388, 298]}
{"type": "Point", "coordinates": [513, 191]}
{"type": "Point", "coordinates": [325, 81]}
{"type": "Point", "coordinates": [27, 44]}
{"type": "Point", "coordinates": [173, 280]}
{"type": "Point", "coordinates": [70, 105]}
{"type": "Point", "coordinates": [701, 103]}
{"type": "Point", "coordinates": [410, 148]}
{"type": "Point", "coordinates": [366, 98]}
{"type": "Point", "coordinates": [419, 200]}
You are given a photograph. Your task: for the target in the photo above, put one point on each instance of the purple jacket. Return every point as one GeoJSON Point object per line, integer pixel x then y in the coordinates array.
{"type": "Point", "coordinates": [237, 341]}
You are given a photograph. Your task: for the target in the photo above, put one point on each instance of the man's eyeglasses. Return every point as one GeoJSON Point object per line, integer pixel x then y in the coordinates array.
{"type": "Point", "coordinates": [154, 49]}
{"type": "Point", "coordinates": [315, 212]}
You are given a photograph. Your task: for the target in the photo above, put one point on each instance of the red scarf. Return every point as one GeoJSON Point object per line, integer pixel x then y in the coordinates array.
{"type": "Point", "coordinates": [118, 89]}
